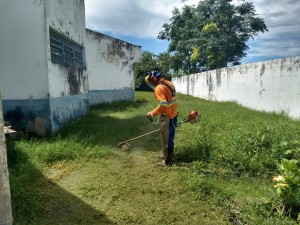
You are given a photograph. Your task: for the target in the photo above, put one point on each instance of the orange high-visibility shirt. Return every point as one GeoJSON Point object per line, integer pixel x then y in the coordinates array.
{"type": "Point", "coordinates": [166, 98]}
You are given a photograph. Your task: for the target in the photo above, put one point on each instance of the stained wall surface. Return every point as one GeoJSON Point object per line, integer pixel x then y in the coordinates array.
{"type": "Point", "coordinates": [272, 86]}
{"type": "Point", "coordinates": [40, 95]}
{"type": "Point", "coordinates": [110, 67]}
{"type": "Point", "coordinates": [68, 86]}
{"type": "Point", "coordinates": [23, 61]}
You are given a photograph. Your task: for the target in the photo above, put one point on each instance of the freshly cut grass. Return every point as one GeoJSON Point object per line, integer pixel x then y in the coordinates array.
{"type": "Point", "coordinates": [222, 173]}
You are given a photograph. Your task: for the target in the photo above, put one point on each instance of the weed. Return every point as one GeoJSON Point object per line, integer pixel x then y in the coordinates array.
{"type": "Point", "coordinates": [288, 187]}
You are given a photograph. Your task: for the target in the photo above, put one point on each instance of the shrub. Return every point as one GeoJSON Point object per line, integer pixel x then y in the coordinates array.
{"type": "Point", "coordinates": [288, 187]}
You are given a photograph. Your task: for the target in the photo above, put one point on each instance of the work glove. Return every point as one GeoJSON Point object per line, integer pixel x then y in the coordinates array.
{"type": "Point", "coordinates": [149, 116]}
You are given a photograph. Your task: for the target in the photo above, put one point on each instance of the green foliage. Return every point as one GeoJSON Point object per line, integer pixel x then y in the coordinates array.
{"type": "Point", "coordinates": [219, 28]}
{"type": "Point", "coordinates": [195, 55]}
{"type": "Point", "coordinates": [141, 69]}
{"type": "Point", "coordinates": [199, 148]}
{"type": "Point", "coordinates": [25, 194]}
{"type": "Point", "coordinates": [246, 201]}
{"type": "Point", "coordinates": [209, 28]}
{"type": "Point", "coordinates": [236, 139]}
{"type": "Point", "coordinates": [180, 33]}
{"type": "Point", "coordinates": [288, 186]}
{"type": "Point", "coordinates": [149, 62]}
{"type": "Point", "coordinates": [291, 149]}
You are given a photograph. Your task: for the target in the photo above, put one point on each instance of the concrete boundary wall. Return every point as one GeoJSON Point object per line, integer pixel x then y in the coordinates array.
{"type": "Point", "coordinates": [272, 86]}
{"type": "Point", "coordinates": [5, 202]}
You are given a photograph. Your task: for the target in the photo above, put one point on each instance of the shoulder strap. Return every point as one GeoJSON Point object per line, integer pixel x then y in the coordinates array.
{"type": "Point", "coordinates": [169, 87]}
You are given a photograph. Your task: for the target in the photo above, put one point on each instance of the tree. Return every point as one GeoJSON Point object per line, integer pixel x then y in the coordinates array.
{"type": "Point", "coordinates": [164, 62]}
{"type": "Point", "coordinates": [180, 33]}
{"type": "Point", "coordinates": [213, 34]}
{"type": "Point", "coordinates": [147, 63]}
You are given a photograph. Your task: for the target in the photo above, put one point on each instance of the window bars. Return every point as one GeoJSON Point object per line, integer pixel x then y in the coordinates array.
{"type": "Point", "coordinates": [65, 51]}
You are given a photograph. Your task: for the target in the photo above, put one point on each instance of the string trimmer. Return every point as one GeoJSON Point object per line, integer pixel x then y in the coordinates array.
{"type": "Point", "coordinates": [192, 118]}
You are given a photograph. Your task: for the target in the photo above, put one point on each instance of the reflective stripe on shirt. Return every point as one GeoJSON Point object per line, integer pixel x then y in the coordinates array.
{"type": "Point", "coordinates": [166, 103]}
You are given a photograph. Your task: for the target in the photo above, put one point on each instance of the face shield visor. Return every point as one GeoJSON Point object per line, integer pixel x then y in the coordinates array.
{"type": "Point", "coordinates": [149, 82]}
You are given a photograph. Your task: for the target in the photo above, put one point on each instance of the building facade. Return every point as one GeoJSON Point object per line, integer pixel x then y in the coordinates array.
{"type": "Point", "coordinates": [52, 68]}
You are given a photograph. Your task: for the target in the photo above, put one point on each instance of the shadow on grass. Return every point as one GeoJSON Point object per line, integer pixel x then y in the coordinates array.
{"type": "Point", "coordinates": [101, 127]}
{"type": "Point", "coordinates": [38, 200]}
{"type": "Point", "coordinates": [121, 106]}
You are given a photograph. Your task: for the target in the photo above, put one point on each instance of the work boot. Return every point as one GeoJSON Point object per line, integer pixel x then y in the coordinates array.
{"type": "Point", "coordinates": [161, 156]}
{"type": "Point", "coordinates": [169, 162]}
{"type": "Point", "coordinates": [162, 163]}
{"type": "Point", "coordinates": [170, 159]}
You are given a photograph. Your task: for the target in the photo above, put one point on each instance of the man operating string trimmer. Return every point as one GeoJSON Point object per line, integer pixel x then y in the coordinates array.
{"type": "Point", "coordinates": [165, 94]}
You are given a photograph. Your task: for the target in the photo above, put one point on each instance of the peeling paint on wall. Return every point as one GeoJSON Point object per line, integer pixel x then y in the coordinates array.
{"type": "Point", "coordinates": [74, 80]}
{"type": "Point", "coordinates": [115, 50]}
{"type": "Point", "coordinates": [219, 78]}
{"type": "Point", "coordinates": [54, 92]}
{"type": "Point", "coordinates": [262, 70]}
{"type": "Point", "coordinates": [20, 112]}
{"type": "Point", "coordinates": [209, 82]}
{"type": "Point", "coordinates": [271, 86]}
{"type": "Point", "coordinates": [110, 65]}
{"type": "Point", "coordinates": [68, 108]}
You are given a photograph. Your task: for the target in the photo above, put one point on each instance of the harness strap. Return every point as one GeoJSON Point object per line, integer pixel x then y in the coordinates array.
{"type": "Point", "coordinates": [169, 87]}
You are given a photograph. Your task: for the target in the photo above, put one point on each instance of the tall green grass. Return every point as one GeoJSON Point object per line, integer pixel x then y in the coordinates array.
{"type": "Point", "coordinates": [229, 142]}
{"type": "Point", "coordinates": [237, 139]}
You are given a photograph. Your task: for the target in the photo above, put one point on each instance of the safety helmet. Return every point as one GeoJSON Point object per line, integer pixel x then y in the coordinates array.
{"type": "Point", "coordinates": [153, 78]}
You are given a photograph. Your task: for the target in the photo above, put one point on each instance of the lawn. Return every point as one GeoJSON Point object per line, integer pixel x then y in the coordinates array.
{"type": "Point", "coordinates": [222, 173]}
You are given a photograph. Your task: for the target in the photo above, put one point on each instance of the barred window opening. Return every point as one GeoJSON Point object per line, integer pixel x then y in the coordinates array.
{"type": "Point", "coordinates": [65, 51]}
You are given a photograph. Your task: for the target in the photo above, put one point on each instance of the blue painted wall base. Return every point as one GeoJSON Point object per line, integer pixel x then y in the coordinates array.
{"type": "Point", "coordinates": [108, 96]}
{"type": "Point", "coordinates": [20, 112]}
{"type": "Point", "coordinates": [58, 111]}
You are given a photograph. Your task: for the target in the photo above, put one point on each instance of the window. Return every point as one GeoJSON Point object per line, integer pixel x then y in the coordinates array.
{"type": "Point", "coordinates": [65, 51]}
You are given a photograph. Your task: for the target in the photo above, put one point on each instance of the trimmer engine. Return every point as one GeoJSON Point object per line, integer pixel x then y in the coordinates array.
{"type": "Point", "coordinates": [193, 117]}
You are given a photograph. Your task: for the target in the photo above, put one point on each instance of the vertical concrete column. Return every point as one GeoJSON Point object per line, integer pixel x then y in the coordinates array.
{"type": "Point", "coordinates": [5, 203]}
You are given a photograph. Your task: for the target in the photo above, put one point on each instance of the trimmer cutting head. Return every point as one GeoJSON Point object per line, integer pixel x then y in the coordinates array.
{"type": "Point", "coordinates": [124, 146]}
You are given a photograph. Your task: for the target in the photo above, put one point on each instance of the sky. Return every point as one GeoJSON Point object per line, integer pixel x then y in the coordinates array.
{"type": "Point", "coordinates": [139, 22]}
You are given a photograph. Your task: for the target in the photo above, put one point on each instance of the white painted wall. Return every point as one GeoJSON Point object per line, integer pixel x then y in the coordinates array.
{"type": "Point", "coordinates": [23, 47]}
{"type": "Point", "coordinates": [34, 87]}
{"type": "Point", "coordinates": [270, 86]}
{"type": "Point", "coordinates": [68, 18]}
{"type": "Point", "coordinates": [109, 62]}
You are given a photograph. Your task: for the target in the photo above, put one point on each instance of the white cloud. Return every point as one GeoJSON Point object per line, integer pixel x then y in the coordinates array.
{"type": "Point", "coordinates": [139, 18]}
{"type": "Point", "coordinates": [283, 38]}
{"type": "Point", "coordinates": [144, 19]}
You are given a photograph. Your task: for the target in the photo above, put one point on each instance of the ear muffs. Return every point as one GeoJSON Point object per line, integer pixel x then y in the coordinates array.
{"type": "Point", "coordinates": [154, 75]}
{"type": "Point", "coordinates": [153, 78]}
